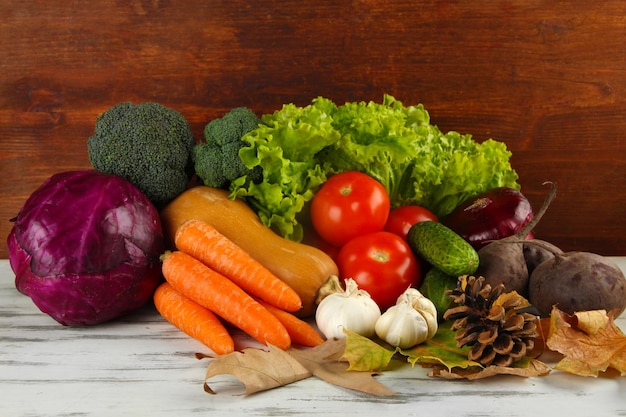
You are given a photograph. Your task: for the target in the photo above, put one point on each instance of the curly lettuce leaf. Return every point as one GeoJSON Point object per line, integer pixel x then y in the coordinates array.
{"type": "Point", "coordinates": [469, 169]}
{"type": "Point", "coordinates": [298, 148]}
{"type": "Point", "coordinates": [414, 160]}
{"type": "Point", "coordinates": [389, 142]}
{"type": "Point", "coordinates": [285, 148]}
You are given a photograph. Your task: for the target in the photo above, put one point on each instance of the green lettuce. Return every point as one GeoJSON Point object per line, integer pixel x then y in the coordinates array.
{"type": "Point", "coordinates": [285, 146]}
{"type": "Point", "coordinates": [298, 148]}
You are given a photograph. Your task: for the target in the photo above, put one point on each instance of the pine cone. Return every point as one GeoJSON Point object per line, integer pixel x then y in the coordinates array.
{"type": "Point", "coordinates": [489, 320]}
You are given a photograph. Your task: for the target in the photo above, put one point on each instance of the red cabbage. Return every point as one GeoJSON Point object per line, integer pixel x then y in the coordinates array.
{"type": "Point", "coordinates": [85, 247]}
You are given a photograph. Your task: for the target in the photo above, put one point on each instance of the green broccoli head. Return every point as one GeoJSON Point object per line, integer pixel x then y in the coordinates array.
{"type": "Point", "coordinates": [148, 144]}
{"type": "Point", "coordinates": [216, 161]}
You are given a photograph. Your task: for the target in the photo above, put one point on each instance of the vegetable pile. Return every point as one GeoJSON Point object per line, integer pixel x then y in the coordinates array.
{"type": "Point", "coordinates": [303, 267]}
{"type": "Point", "coordinates": [419, 243]}
{"type": "Point", "coordinates": [211, 274]}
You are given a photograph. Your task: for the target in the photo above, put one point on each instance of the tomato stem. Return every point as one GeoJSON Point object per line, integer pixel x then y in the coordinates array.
{"type": "Point", "coordinates": [380, 256]}
{"type": "Point", "coordinates": [346, 190]}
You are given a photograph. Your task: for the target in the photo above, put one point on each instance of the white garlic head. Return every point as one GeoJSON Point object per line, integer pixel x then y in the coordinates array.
{"type": "Point", "coordinates": [352, 309]}
{"type": "Point", "coordinates": [411, 321]}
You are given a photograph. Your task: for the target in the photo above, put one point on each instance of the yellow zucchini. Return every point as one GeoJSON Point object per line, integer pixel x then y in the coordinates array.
{"type": "Point", "coordinates": [305, 268]}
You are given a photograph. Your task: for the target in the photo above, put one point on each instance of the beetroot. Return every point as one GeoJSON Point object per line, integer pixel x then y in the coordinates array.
{"type": "Point", "coordinates": [505, 261]}
{"type": "Point", "coordinates": [577, 281]}
{"type": "Point", "coordinates": [571, 281]}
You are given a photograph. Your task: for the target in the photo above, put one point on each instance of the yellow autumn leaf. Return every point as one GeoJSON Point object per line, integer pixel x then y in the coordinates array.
{"type": "Point", "coordinates": [591, 322]}
{"type": "Point", "coordinates": [364, 354]}
{"type": "Point", "coordinates": [590, 342]}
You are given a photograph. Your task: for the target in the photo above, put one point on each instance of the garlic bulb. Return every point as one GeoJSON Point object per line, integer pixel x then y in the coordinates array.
{"type": "Point", "coordinates": [352, 309]}
{"type": "Point", "coordinates": [411, 321]}
{"type": "Point", "coordinates": [426, 308]}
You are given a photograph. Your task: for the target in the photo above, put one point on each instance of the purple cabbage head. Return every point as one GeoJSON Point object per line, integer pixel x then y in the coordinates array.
{"type": "Point", "coordinates": [85, 247]}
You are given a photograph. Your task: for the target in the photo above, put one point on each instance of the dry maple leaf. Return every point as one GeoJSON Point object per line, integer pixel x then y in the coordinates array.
{"type": "Point", "coordinates": [257, 369]}
{"type": "Point", "coordinates": [589, 341]}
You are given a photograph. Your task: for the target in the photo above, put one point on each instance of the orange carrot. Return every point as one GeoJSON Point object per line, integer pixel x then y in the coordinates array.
{"type": "Point", "coordinates": [214, 291]}
{"type": "Point", "coordinates": [300, 332]}
{"type": "Point", "coordinates": [205, 243]}
{"type": "Point", "coordinates": [193, 319]}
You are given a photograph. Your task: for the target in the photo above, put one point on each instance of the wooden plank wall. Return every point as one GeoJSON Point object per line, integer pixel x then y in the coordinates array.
{"type": "Point", "coordinates": [548, 78]}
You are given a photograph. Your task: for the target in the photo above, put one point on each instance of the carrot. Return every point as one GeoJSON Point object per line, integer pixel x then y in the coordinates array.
{"type": "Point", "coordinates": [205, 243]}
{"type": "Point", "coordinates": [214, 291]}
{"type": "Point", "coordinates": [193, 319]}
{"type": "Point", "coordinates": [300, 332]}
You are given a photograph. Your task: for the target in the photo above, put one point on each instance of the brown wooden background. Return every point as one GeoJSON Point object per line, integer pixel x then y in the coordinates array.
{"type": "Point", "coordinates": [548, 78]}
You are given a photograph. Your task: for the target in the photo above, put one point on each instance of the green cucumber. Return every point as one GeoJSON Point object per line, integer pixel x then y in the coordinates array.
{"type": "Point", "coordinates": [443, 248]}
{"type": "Point", "coordinates": [434, 287]}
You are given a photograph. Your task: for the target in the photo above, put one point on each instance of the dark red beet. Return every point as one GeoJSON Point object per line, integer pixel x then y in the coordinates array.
{"type": "Point", "coordinates": [577, 281]}
{"type": "Point", "coordinates": [503, 261]}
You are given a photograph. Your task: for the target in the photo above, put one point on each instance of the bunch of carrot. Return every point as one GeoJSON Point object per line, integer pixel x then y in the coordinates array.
{"type": "Point", "coordinates": [208, 278]}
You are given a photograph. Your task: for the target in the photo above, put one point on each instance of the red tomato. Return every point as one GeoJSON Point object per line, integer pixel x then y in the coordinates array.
{"type": "Point", "coordinates": [382, 264]}
{"type": "Point", "coordinates": [402, 218]}
{"type": "Point", "coordinates": [349, 204]}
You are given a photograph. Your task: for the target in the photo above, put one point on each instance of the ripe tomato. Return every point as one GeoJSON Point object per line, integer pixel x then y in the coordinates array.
{"type": "Point", "coordinates": [402, 218]}
{"type": "Point", "coordinates": [382, 264]}
{"type": "Point", "coordinates": [347, 205]}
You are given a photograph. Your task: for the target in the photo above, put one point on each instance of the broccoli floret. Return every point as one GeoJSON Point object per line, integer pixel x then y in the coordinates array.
{"type": "Point", "coordinates": [148, 144]}
{"type": "Point", "coordinates": [216, 161]}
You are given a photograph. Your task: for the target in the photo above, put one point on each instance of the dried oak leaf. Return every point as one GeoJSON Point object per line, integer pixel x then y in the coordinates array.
{"type": "Point", "coordinates": [257, 369]}
{"type": "Point", "coordinates": [589, 341]}
{"type": "Point", "coordinates": [327, 362]}
{"type": "Point", "coordinates": [261, 370]}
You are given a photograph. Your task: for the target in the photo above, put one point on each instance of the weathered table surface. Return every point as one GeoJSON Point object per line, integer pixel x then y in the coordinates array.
{"type": "Point", "coordinates": [545, 77]}
{"type": "Point", "coordinates": [142, 366]}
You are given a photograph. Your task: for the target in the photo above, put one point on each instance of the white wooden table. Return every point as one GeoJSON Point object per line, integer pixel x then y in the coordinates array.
{"type": "Point", "coordinates": [142, 366]}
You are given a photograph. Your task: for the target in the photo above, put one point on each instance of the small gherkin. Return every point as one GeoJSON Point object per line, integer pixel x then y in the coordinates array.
{"type": "Point", "coordinates": [489, 319]}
